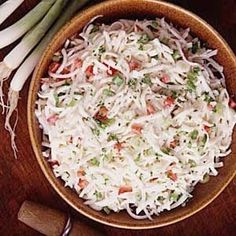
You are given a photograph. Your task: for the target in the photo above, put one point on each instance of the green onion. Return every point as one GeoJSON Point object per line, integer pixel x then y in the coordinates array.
{"type": "Point", "coordinates": [29, 64]}
{"type": "Point", "coordinates": [194, 134]}
{"type": "Point", "coordinates": [7, 8]}
{"type": "Point", "coordinates": [108, 92]}
{"type": "Point", "coordinates": [117, 80]}
{"type": "Point", "coordinates": [15, 31]}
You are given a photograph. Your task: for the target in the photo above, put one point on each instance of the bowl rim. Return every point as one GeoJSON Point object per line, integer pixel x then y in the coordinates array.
{"type": "Point", "coordinates": [30, 115]}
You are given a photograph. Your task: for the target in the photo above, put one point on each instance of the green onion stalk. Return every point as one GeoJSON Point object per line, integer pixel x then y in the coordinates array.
{"type": "Point", "coordinates": [29, 64]}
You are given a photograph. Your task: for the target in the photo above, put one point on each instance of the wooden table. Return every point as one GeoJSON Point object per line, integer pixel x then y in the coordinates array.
{"type": "Point", "coordinates": [22, 179]}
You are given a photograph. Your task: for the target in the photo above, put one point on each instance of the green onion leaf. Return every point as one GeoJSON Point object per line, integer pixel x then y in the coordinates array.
{"type": "Point", "coordinates": [94, 29]}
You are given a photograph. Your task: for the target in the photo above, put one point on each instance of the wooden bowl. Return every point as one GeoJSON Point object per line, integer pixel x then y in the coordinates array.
{"type": "Point", "coordinates": [140, 9]}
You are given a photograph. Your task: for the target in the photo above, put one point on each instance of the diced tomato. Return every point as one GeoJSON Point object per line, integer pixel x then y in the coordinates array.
{"type": "Point", "coordinates": [171, 175]}
{"type": "Point", "coordinates": [119, 146]}
{"type": "Point", "coordinates": [111, 71]}
{"type": "Point", "coordinates": [150, 109]}
{"type": "Point", "coordinates": [165, 78]}
{"type": "Point", "coordinates": [134, 64]}
{"type": "Point", "coordinates": [173, 144]}
{"type": "Point", "coordinates": [137, 128]}
{"type": "Point", "coordinates": [54, 163]}
{"type": "Point", "coordinates": [83, 183]}
{"type": "Point", "coordinates": [65, 71]}
{"type": "Point", "coordinates": [232, 103]}
{"type": "Point", "coordinates": [169, 101]}
{"type": "Point", "coordinates": [52, 119]}
{"type": "Point", "coordinates": [207, 128]}
{"type": "Point", "coordinates": [125, 189]}
{"type": "Point", "coordinates": [78, 63]}
{"type": "Point", "coordinates": [80, 172]}
{"type": "Point", "coordinates": [101, 115]}
{"type": "Point", "coordinates": [89, 71]}
{"type": "Point", "coordinates": [53, 67]}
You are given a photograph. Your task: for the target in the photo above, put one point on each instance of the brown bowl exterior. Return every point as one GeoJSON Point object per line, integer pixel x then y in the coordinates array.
{"type": "Point", "coordinates": [140, 9]}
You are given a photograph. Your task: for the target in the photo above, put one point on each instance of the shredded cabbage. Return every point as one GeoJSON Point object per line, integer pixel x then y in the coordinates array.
{"type": "Point", "coordinates": [134, 115]}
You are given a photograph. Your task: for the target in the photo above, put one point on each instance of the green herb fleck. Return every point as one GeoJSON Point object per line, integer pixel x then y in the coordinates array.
{"type": "Point", "coordinates": [147, 80]}
{"type": "Point", "coordinates": [194, 134]}
{"type": "Point", "coordinates": [174, 196]}
{"type": "Point", "coordinates": [98, 195]}
{"type": "Point", "coordinates": [94, 162]}
{"type": "Point", "coordinates": [107, 210]}
{"type": "Point", "coordinates": [176, 55]}
{"type": "Point", "coordinates": [195, 47]}
{"type": "Point", "coordinates": [192, 163]}
{"type": "Point", "coordinates": [154, 25]}
{"type": "Point", "coordinates": [108, 92]}
{"type": "Point", "coordinates": [138, 157]}
{"type": "Point", "coordinates": [94, 29]}
{"type": "Point", "coordinates": [208, 98]}
{"type": "Point", "coordinates": [144, 39]}
{"type": "Point", "coordinates": [132, 83]}
{"type": "Point", "coordinates": [166, 150]}
{"type": "Point", "coordinates": [117, 80]}
{"type": "Point", "coordinates": [101, 49]}
{"type": "Point", "coordinates": [206, 178]}
{"type": "Point", "coordinates": [96, 131]}
{"type": "Point", "coordinates": [56, 97]}
{"type": "Point", "coordinates": [112, 137]}
{"type": "Point", "coordinates": [72, 103]}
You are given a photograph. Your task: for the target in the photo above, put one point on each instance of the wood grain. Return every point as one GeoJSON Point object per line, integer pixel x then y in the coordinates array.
{"type": "Point", "coordinates": [22, 179]}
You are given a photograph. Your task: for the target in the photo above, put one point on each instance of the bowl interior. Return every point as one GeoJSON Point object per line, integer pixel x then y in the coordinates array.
{"type": "Point", "coordinates": [137, 9]}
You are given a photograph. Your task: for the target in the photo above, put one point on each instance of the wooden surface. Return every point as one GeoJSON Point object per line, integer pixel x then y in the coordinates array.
{"type": "Point", "coordinates": [22, 179]}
